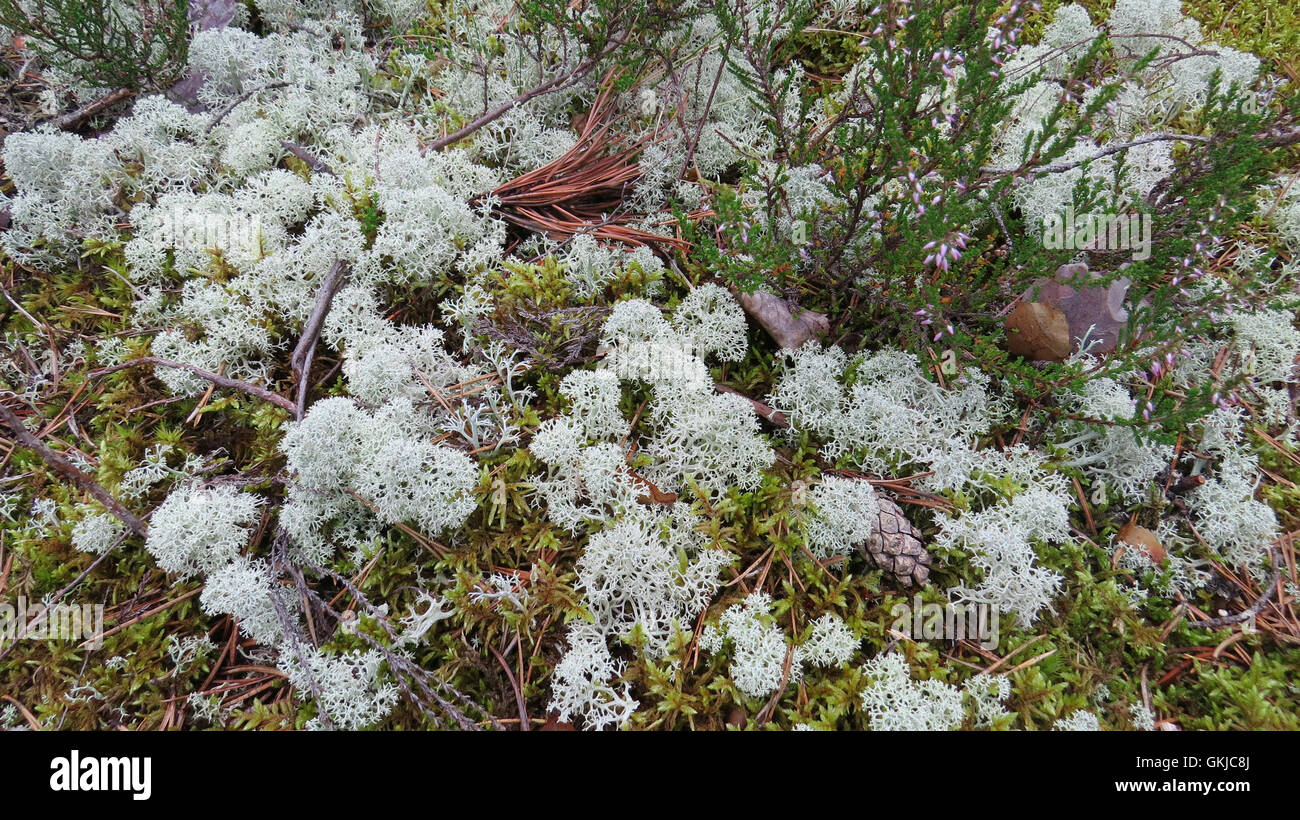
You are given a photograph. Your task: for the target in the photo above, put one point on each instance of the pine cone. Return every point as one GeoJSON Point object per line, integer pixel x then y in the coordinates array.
{"type": "Point", "coordinates": [896, 547]}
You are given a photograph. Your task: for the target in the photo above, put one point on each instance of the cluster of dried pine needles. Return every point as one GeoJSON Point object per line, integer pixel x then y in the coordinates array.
{"type": "Point", "coordinates": [584, 190]}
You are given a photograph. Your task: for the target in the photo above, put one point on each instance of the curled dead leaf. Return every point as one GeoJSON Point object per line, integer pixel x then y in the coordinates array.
{"type": "Point", "coordinates": [654, 494]}
{"type": "Point", "coordinates": [789, 325]}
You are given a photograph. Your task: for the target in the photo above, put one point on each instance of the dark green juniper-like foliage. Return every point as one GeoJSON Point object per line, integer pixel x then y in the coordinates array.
{"type": "Point", "coordinates": [921, 237]}
{"type": "Point", "coordinates": [113, 43]}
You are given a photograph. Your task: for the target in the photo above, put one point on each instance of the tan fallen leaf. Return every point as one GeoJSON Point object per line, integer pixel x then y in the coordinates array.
{"type": "Point", "coordinates": [1038, 331]}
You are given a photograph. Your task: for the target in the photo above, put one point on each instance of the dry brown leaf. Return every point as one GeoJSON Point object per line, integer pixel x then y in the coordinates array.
{"type": "Point", "coordinates": [1143, 540]}
{"type": "Point", "coordinates": [1097, 311]}
{"type": "Point", "coordinates": [1038, 331]}
{"type": "Point", "coordinates": [790, 326]}
{"type": "Point", "coordinates": [554, 724]}
{"type": "Point", "coordinates": [655, 495]}
{"type": "Point", "coordinates": [737, 718]}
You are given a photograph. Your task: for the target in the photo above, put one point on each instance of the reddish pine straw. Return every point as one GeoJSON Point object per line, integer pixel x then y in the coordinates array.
{"type": "Point", "coordinates": [583, 190]}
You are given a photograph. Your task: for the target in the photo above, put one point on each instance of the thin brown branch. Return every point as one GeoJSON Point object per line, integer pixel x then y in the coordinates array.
{"type": "Point", "coordinates": [236, 102]}
{"type": "Point", "coordinates": [306, 349]}
{"type": "Point", "coordinates": [514, 685]}
{"type": "Point", "coordinates": [1282, 137]}
{"type": "Point", "coordinates": [30, 318]}
{"type": "Point", "coordinates": [1115, 148]}
{"type": "Point", "coordinates": [1254, 609]}
{"type": "Point", "coordinates": [704, 116]}
{"type": "Point", "coordinates": [219, 381]}
{"type": "Point", "coordinates": [75, 117]}
{"type": "Point", "coordinates": [140, 617]}
{"type": "Point", "coordinates": [303, 154]}
{"type": "Point", "coordinates": [431, 689]}
{"type": "Point", "coordinates": [765, 714]}
{"type": "Point", "coordinates": [554, 84]}
{"type": "Point", "coordinates": [62, 466]}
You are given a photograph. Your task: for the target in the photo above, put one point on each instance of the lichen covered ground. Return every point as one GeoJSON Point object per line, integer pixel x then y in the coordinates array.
{"type": "Point", "coordinates": [680, 394]}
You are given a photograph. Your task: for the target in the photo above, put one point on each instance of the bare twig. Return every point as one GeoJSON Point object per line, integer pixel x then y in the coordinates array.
{"type": "Point", "coordinates": [64, 467]}
{"type": "Point", "coordinates": [554, 84]}
{"type": "Point", "coordinates": [304, 155]}
{"type": "Point", "coordinates": [708, 106]}
{"type": "Point", "coordinates": [997, 215]}
{"type": "Point", "coordinates": [306, 349]}
{"type": "Point", "coordinates": [220, 381]}
{"type": "Point", "coordinates": [765, 714]}
{"type": "Point", "coordinates": [280, 548]}
{"type": "Point", "coordinates": [1254, 609]}
{"type": "Point", "coordinates": [135, 619]}
{"type": "Point", "coordinates": [1281, 137]}
{"type": "Point", "coordinates": [75, 117]}
{"type": "Point", "coordinates": [30, 318]}
{"type": "Point", "coordinates": [1060, 167]}
{"type": "Point", "coordinates": [514, 684]}
{"type": "Point", "coordinates": [236, 102]}
{"type": "Point", "coordinates": [405, 670]}
{"type": "Point", "coordinates": [26, 713]}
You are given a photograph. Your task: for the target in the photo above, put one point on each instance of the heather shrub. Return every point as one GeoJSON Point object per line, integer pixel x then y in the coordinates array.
{"type": "Point", "coordinates": [106, 43]}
